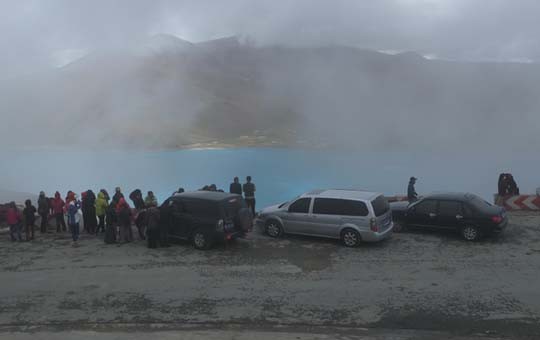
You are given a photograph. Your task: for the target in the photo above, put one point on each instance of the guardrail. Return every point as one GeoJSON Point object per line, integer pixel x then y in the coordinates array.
{"type": "Point", "coordinates": [519, 202]}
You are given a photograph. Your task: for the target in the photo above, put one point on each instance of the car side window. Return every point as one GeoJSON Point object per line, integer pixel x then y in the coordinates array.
{"type": "Point", "coordinates": [334, 206]}
{"type": "Point", "coordinates": [327, 206]}
{"type": "Point", "coordinates": [467, 210]}
{"type": "Point", "coordinates": [355, 208]}
{"type": "Point", "coordinates": [300, 206]}
{"type": "Point", "coordinates": [450, 208]}
{"type": "Point", "coordinates": [426, 207]}
{"type": "Point", "coordinates": [201, 208]}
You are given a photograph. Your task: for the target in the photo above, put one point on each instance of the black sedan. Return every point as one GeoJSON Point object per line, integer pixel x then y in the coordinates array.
{"type": "Point", "coordinates": [468, 214]}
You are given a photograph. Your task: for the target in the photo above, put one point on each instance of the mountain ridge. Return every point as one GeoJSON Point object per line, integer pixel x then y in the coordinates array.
{"type": "Point", "coordinates": [232, 93]}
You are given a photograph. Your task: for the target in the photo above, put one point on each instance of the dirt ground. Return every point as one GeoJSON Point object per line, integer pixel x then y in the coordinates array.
{"type": "Point", "coordinates": [412, 286]}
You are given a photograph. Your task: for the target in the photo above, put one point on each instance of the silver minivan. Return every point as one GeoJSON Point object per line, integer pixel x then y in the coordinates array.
{"type": "Point", "coordinates": [350, 215]}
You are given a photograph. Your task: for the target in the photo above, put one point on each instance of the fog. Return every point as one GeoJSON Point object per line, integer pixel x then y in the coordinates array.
{"type": "Point", "coordinates": [386, 75]}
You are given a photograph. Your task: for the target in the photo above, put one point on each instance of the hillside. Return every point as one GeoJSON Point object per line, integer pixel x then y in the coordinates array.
{"type": "Point", "coordinates": [170, 93]}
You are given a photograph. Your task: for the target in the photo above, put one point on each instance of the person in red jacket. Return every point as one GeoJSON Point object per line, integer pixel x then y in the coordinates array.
{"type": "Point", "coordinates": [123, 212]}
{"type": "Point", "coordinates": [13, 219]}
{"type": "Point", "coordinates": [57, 207]}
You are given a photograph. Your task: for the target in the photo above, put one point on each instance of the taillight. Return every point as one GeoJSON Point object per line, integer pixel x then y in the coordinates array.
{"type": "Point", "coordinates": [497, 219]}
{"type": "Point", "coordinates": [373, 225]}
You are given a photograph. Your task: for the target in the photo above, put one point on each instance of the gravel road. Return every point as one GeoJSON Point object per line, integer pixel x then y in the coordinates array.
{"type": "Point", "coordinates": [414, 282]}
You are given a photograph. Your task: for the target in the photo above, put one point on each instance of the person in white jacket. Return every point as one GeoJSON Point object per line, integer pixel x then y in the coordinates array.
{"type": "Point", "coordinates": [74, 220]}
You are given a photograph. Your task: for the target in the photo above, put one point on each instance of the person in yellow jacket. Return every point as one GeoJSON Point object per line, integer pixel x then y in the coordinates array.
{"type": "Point", "coordinates": [101, 209]}
{"type": "Point", "coordinates": [150, 200]}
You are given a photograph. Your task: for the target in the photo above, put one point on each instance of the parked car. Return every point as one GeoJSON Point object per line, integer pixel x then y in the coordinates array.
{"type": "Point", "coordinates": [468, 214]}
{"type": "Point", "coordinates": [350, 215]}
{"type": "Point", "coordinates": [205, 217]}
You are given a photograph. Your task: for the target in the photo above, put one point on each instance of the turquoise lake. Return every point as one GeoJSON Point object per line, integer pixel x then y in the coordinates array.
{"type": "Point", "coordinates": [279, 174]}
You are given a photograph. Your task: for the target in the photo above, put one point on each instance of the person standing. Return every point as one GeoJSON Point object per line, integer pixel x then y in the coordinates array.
{"type": "Point", "coordinates": [412, 195]}
{"type": "Point", "coordinates": [152, 222]}
{"type": "Point", "coordinates": [29, 213]}
{"type": "Point", "coordinates": [57, 207]}
{"type": "Point", "coordinates": [140, 219]}
{"type": "Point", "coordinates": [90, 221]}
{"type": "Point", "coordinates": [43, 211]}
{"type": "Point", "coordinates": [70, 197]}
{"type": "Point", "coordinates": [137, 199]}
{"type": "Point", "coordinates": [124, 219]}
{"type": "Point", "coordinates": [101, 210]}
{"type": "Point", "coordinates": [13, 219]}
{"type": "Point", "coordinates": [111, 224]}
{"type": "Point", "coordinates": [117, 196]}
{"type": "Point", "coordinates": [74, 220]}
{"type": "Point", "coordinates": [83, 209]}
{"type": "Point", "coordinates": [249, 194]}
{"type": "Point", "coordinates": [236, 187]}
{"type": "Point", "coordinates": [106, 194]}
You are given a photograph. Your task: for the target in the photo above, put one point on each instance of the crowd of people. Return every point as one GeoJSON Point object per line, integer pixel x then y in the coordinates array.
{"type": "Point", "coordinates": [112, 217]}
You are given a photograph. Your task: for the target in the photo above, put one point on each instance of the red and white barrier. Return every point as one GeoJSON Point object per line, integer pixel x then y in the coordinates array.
{"type": "Point", "coordinates": [521, 202]}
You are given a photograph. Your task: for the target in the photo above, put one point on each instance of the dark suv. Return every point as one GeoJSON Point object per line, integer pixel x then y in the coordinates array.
{"type": "Point", "coordinates": [469, 214]}
{"type": "Point", "coordinates": [205, 217]}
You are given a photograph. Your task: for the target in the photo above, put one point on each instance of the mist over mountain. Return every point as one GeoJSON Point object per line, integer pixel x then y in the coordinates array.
{"type": "Point", "coordinates": [164, 92]}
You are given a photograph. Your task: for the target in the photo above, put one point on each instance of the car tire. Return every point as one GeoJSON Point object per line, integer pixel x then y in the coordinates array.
{"type": "Point", "coordinates": [399, 227]}
{"type": "Point", "coordinates": [200, 240]}
{"type": "Point", "coordinates": [470, 233]}
{"type": "Point", "coordinates": [273, 229]}
{"type": "Point", "coordinates": [350, 238]}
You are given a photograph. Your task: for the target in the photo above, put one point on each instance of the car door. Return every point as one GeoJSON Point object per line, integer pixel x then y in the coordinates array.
{"type": "Point", "coordinates": [181, 220]}
{"type": "Point", "coordinates": [329, 214]}
{"type": "Point", "coordinates": [296, 216]}
{"type": "Point", "coordinates": [449, 215]}
{"type": "Point", "coordinates": [423, 214]}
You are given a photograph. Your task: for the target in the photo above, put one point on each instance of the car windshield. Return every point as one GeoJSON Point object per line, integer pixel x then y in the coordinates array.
{"type": "Point", "coordinates": [287, 202]}
{"type": "Point", "coordinates": [380, 206]}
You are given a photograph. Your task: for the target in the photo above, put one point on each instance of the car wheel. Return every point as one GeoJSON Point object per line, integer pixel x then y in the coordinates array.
{"type": "Point", "coordinates": [273, 229]}
{"type": "Point", "coordinates": [470, 233]}
{"type": "Point", "coordinates": [350, 238]}
{"type": "Point", "coordinates": [200, 240]}
{"type": "Point", "coordinates": [399, 227]}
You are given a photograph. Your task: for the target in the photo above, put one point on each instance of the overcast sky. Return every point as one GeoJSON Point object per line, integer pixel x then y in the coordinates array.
{"type": "Point", "coordinates": [38, 33]}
